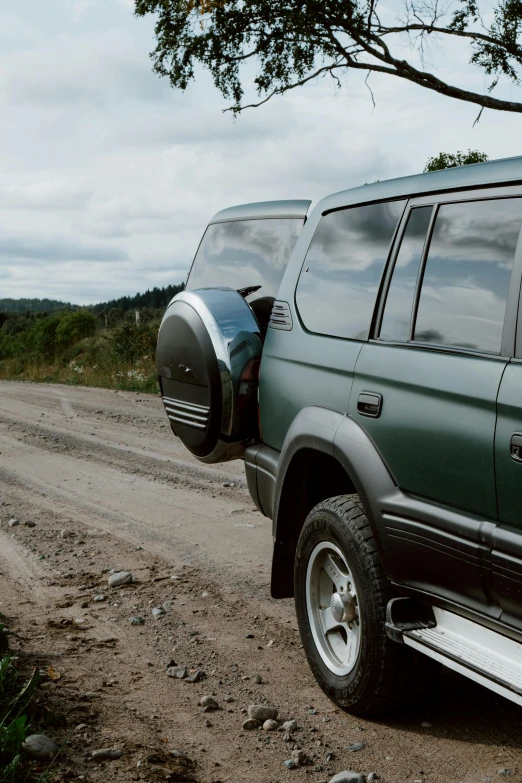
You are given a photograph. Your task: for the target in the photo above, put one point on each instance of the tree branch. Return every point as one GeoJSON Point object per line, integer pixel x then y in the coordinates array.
{"type": "Point", "coordinates": [516, 52]}
{"type": "Point", "coordinates": [406, 71]}
{"type": "Point", "coordinates": [286, 88]}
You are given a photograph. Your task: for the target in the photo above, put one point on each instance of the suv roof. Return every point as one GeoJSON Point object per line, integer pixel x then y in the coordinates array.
{"type": "Point", "coordinates": [459, 178]}
{"type": "Point", "coordinates": [289, 208]}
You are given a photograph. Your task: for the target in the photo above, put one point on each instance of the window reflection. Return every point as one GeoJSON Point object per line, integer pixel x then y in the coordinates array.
{"type": "Point", "coordinates": [242, 253]}
{"type": "Point", "coordinates": [399, 302]}
{"type": "Point", "coordinates": [467, 275]}
{"type": "Point", "coordinates": [341, 275]}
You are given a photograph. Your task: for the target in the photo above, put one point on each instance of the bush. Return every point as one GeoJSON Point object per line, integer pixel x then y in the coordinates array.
{"type": "Point", "coordinates": [42, 336]}
{"type": "Point", "coordinates": [132, 342]}
{"type": "Point", "coordinates": [115, 316]}
{"type": "Point", "coordinates": [74, 327]}
{"type": "Point", "coordinates": [75, 347]}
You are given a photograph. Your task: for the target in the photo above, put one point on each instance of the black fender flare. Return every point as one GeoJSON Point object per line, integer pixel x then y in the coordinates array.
{"type": "Point", "coordinates": [339, 436]}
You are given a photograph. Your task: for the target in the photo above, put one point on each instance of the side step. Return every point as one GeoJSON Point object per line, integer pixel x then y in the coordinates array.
{"type": "Point", "coordinates": [484, 656]}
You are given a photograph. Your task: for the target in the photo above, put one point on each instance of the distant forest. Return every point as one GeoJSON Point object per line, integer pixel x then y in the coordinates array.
{"type": "Point", "coordinates": [33, 305]}
{"type": "Point", "coordinates": [156, 299]}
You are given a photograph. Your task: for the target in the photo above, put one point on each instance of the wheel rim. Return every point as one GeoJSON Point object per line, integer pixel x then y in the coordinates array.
{"type": "Point", "coordinates": [332, 606]}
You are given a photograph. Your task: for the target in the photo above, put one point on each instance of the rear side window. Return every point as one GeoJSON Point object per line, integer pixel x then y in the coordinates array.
{"type": "Point", "coordinates": [244, 253]}
{"type": "Point", "coordinates": [468, 270]}
{"type": "Point", "coordinates": [341, 275]}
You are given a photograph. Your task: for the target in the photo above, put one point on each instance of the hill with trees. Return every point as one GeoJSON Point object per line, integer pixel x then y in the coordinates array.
{"type": "Point", "coordinates": [154, 298]}
{"type": "Point", "coordinates": [98, 345]}
{"type": "Point", "coordinates": [33, 305]}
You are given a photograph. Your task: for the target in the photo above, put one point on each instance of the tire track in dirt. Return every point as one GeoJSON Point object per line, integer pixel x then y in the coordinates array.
{"type": "Point", "coordinates": [116, 470]}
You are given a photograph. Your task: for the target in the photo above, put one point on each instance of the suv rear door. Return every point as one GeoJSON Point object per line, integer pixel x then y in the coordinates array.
{"type": "Point", "coordinates": [435, 366]}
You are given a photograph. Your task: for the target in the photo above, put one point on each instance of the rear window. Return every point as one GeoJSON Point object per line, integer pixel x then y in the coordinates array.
{"type": "Point", "coordinates": [244, 253]}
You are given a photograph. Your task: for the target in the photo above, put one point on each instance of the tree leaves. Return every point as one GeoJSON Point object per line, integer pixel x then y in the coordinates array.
{"type": "Point", "coordinates": [449, 160]}
{"type": "Point", "coordinates": [292, 42]}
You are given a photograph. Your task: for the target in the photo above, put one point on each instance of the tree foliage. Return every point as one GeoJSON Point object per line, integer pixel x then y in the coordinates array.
{"type": "Point", "coordinates": [294, 41]}
{"type": "Point", "coordinates": [155, 298]}
{"type": "Point", "coordinates": [32, 305]}
{"type": "Point", "coordinates": [449, 160]}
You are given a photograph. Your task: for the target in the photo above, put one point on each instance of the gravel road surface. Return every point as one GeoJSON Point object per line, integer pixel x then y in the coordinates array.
{"type": "Point", "coordinates": [108, 487]}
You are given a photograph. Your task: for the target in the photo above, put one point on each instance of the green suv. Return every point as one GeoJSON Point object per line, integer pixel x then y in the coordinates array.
{"type": "Point", "coordinates": [366, 363]}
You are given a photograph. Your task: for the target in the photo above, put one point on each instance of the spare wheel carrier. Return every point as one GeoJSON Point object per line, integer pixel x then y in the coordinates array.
{"type": "Point", "coordinates": [207, 338]}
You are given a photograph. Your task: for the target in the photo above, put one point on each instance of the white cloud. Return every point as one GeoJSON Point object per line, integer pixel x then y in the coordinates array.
{"type": "Point", "coordinates": [109, 177]}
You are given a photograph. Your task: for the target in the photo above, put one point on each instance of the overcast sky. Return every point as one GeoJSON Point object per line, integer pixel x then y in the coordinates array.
{"type": "Point", "coordinates": [108, 176]}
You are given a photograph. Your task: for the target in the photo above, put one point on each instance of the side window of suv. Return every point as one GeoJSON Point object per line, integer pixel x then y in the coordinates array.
{"type": "Point", "coordinates": [342, 271]}
{"type": "Point", "coordinates": [467, 274]}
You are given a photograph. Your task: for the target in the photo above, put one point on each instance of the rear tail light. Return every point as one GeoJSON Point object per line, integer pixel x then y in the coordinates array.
{"type": "Point", "coordinates": [247, 402]}
{"type": "Point", "coordinates": [249, 380]}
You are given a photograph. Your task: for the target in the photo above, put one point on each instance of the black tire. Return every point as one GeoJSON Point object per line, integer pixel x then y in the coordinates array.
{"type": "Point", "coordinates": [385, 675]}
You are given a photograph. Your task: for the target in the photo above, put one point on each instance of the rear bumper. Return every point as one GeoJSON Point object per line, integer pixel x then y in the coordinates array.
{"type": "Point", "coordinates": [261, 471]}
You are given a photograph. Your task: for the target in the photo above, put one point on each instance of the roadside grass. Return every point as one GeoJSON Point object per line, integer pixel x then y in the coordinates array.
{"type": "Point", "coordinates": [14, 699]}
{"type": "Point", "coordinates": [122, 357]}
{"type": "Point", "coordinates": [139, 376]}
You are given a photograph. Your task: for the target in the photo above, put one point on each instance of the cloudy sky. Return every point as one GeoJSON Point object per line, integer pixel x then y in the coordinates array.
{"type": "Point", "coordinates": [108, 176]}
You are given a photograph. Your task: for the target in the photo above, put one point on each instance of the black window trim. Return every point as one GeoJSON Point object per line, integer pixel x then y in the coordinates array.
{"type": "Point", "coordinates": [512, 328]}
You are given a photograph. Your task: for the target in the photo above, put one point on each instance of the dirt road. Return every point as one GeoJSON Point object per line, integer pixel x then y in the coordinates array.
{"type": "Point", "coordinates": [107, 486]}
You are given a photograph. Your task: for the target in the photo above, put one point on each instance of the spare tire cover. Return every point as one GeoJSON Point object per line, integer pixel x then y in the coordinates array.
{"type": "Point", "coordinates": [206, 339]}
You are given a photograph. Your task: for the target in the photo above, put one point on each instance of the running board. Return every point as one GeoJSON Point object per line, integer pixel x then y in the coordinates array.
{"type": "Point", "coordinates": [484, 656]}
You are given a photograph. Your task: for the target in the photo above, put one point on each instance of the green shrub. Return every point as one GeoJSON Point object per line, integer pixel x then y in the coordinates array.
{"type": "Point", "coordinates": [132, 342]}
{"type": "Point", "coordinates": [76, 348]}
{"type": "Point", "coordinates": [74, 327]}
{"type": "Point", "coordinates": [41, 338]}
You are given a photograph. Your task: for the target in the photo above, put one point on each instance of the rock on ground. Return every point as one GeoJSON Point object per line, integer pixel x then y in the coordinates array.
{"type": "Point", "coordinates": [196, 677]}
{"type": "Point", "coordinates": [300, 757]}
{"type": "Point", "coordinates": [107, 754]}
{"type": "Point", "coordinates": [120, 578]}
{"type": "Point", "coordinates": [40, 747]}
{"type": "Point", "coordinates": [179, 672]}
{"type": "Point", "coordinates": [348, 777]}
{"type": "Point", "coordinates": [261, 712]}
{"type": "Point", "coordinates": [209, 702]}
{"type": "Point", "coordinates": [270, 725]}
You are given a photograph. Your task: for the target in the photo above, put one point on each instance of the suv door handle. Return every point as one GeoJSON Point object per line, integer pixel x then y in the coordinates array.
{"type": "Point", "coordinates": [370, 404]}
{"type": "Point", "coordinates": [516, 447]}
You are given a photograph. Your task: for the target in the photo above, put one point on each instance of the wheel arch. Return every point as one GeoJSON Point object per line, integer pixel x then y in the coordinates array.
{"type": "Point", "coordinates": [325, 453]}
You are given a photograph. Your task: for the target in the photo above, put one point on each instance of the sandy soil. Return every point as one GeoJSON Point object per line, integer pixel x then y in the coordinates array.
{"type": "Point", "coordinates": [104, 467]}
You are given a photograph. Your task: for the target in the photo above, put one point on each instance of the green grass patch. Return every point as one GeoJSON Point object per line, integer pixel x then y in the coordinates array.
{"type": "Point", "coordinates": [15, 697]}
{"type": "Point", "coordinates": [80, 350]}
{"type": "Point", "coordinates": [16, 714]}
